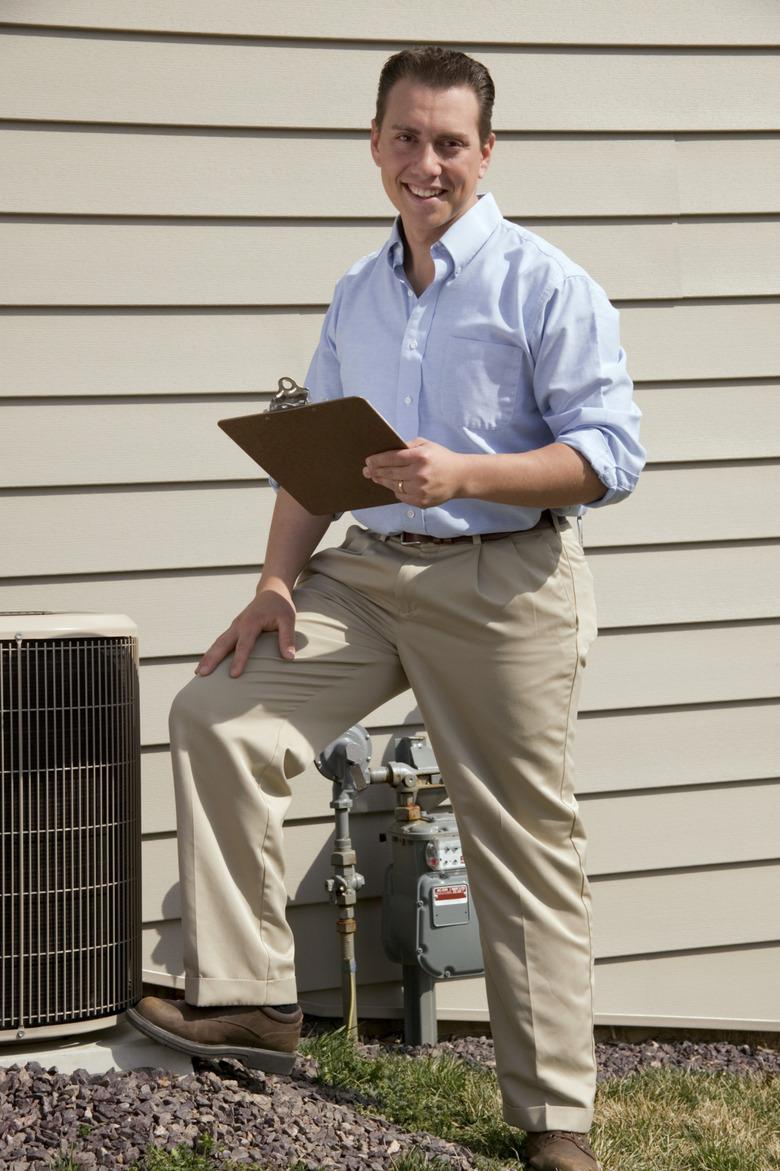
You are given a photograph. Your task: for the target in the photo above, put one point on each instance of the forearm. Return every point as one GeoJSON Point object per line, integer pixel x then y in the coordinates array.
{"type": "Point", "coordinates": [550, 477]}
{"type": "Point", "coordinates": [293, 537]}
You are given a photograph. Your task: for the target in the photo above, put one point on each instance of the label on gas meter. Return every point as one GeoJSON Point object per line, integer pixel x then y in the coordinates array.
{"type": "Point", "coordinates": [450, 904]}
{"type": "Point", "coordinates": [451, 894]}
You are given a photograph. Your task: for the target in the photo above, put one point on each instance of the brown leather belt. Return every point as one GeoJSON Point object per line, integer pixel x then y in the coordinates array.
{"type": "Point", "coordinates": [545, 521]}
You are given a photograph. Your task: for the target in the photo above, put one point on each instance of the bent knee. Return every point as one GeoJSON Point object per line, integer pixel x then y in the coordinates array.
{"type": "Point", "coordinates": [203, 701]}
{"type": "Point", "coordinates": [211, 707]}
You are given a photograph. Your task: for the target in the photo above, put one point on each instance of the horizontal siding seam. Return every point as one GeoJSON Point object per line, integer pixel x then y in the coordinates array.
{"type": "Point", "coordinates": [228, 129]}
{"type": "Point", "coordinates": [593, 796]}
{"type": "Point", "coordinates": [103, 32]}
{"type": "Point", "coordinates": [261, 308]}
{"type": "Point", "coordinates": [87, 487]}
{"type": "Point", "coordinates": [710, 949]}
{"type": "Point", "coordinates": [672, 871]}
{"type": "Point", "coordinates": [198, 219]}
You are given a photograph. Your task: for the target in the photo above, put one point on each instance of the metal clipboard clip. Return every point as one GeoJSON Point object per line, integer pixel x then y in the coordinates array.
{"type": "Point", "coordinates": [289, 395]}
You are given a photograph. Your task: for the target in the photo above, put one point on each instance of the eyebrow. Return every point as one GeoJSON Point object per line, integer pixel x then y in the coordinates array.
{"type": "Point", "coordinates": [414, 130]}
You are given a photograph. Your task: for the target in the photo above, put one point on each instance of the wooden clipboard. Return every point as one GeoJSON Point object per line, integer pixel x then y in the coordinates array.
{"type": "Point", "coordinates": [317, 452]}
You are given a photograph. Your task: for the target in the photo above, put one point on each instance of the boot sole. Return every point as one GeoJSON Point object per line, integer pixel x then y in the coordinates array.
{"type": "Point", "coordinates": [267, 1060]}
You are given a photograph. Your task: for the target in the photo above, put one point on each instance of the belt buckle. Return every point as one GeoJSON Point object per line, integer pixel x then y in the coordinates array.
{"type": "Point", "coordinates": [410, 538]}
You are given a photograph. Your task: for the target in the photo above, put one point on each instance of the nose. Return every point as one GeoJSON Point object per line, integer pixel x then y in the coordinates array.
{"type": "Point", "coordinates": [427, 161]}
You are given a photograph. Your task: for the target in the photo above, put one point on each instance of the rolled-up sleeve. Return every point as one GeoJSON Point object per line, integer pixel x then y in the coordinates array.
{"type": "Point", "coordinates": [323, 377]}
{"type": "Point", "coordinates": [582, 387]}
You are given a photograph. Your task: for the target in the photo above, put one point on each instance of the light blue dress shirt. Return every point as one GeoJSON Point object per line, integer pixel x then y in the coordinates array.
{"type": "Point", "coordinates": [510, 348]}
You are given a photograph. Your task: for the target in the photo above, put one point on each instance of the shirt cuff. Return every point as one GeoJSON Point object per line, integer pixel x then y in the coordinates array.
{"type": "Point", "coordinates": [618, 482]}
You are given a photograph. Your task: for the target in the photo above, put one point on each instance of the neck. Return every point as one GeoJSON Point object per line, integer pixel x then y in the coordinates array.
{"type": "Point", "coordinates": [419, 269]}
{"type": "Point", "coordinates": [418, 262]}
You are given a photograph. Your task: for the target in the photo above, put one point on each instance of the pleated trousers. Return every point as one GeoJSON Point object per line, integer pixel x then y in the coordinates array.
{"type": "Point", "coordinates": [492, 637]}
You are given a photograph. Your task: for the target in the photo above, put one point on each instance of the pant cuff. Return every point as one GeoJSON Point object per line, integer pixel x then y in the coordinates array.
{"type": "Point", "coordinates": [549, 1118]}
{"type": "Point", "coordinates": [208, 993]}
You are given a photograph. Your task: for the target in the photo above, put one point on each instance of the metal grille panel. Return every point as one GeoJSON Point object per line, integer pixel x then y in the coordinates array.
{"type": "Point", "coordinates": [70, 834]}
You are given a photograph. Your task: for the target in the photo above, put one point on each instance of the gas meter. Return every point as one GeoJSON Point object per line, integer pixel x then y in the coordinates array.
{"type": "Point", "coordinates": [429, 924]}
{"type": "Point", "coordinates": [428, 916]}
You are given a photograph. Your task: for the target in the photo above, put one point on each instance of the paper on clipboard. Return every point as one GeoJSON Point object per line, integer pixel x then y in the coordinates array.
{"type": "Point", "coordinates": [317, 452]}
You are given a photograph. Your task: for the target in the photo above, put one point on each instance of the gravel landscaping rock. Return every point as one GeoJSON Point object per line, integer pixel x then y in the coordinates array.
{"type": "Point", "coordinates": [620, 1058]}
{"type": "Point", "coordinates": [108, 1120]}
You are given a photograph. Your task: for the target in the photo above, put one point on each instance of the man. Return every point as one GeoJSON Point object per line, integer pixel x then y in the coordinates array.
{"type": "Point", "coordinates": [498, 359]}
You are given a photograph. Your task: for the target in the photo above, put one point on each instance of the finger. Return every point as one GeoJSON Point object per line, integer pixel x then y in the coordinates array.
{"type": "Point", "coordinates": [287, 638]}
{"type": "Point", "coordinates": [218, 650]}
{"type": "Point", "coordinates": [394, 485]}
{"type": "Point", "coordinates": [243, 651]}
{"type": "Point", "coordinates": [394, 476]}
{"type": "Point", "coordinates": [388, 461]}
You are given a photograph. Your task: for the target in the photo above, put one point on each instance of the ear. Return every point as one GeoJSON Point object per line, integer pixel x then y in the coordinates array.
{"type": "Point", "coordinates": [487, 150]}
{"type": "Point", "coordinates": [375, 142]}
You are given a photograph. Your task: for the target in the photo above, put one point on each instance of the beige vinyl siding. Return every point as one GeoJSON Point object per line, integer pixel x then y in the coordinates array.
{"type": "Point", "coordinates": [653, 989]}
{"type": "Point", "coordinates": [666, 905]}
{"type": "Point", "coordinates": [646, 915]}
{"type": "Point", "coordinates": [202, 81]}
{"type": "Point", "coordinates": [250, 264]}
{"type": "Point", "coordinates": [137, 440]}
{"type": "Point", "coordinates": [176, 203]}
{"type": "Point", "coordinates": [112, 529]}
{"type": "Point", "coordinates": [734, 661]}
{"type": "Point", "coordinates": [53, 352]}
{"type": "Point", "coordinates": [674, 22]}
{"type": "Point", "coordinates": [619, 755]}
{"type": "Point", "coordinates": [657, 989]}
{"type": "Point", "coordinates": [122, 171]}
{"type": "Point", "coordinates": [636, 587]}
{"type": "Point", "coordinates": [640, 822]}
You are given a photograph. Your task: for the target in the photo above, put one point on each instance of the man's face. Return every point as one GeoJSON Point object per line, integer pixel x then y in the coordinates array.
{"type": "Point", "coordinates": [430, 156]}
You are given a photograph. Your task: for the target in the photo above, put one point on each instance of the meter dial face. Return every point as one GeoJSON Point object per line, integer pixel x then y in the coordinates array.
{"type": "Point", "coordinates": [444, 854]}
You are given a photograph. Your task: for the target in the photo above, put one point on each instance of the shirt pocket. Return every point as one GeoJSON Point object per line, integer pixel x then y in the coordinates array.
{"type": "Point", "coordinates": [479, 383]}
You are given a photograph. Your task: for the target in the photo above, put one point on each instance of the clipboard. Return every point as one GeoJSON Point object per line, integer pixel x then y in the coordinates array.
{"type": "Point", "coordinates": [316, 451]}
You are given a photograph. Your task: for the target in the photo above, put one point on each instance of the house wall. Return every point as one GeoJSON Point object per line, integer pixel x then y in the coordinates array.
{"type": "Point", "coordinates": [181, 183]}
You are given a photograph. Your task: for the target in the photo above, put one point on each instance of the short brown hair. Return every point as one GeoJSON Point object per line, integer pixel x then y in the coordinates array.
{"type": "Point", "coordinates": [438, 68]}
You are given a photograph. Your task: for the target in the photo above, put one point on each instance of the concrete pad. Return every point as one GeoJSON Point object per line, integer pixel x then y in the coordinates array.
{"type": "Point", "coordinates": [121, 1047]}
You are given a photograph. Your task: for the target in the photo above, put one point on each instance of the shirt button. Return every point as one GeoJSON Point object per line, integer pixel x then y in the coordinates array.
{"type": "Point", "coordinates": [408, 400]}
{"type": "Point", "coordinates": [412, 344]}
{"type": "Point", "coordinates": [410, 513]}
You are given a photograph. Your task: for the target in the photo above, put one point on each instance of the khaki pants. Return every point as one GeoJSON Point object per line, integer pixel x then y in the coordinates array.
{"type": "Point", "coordinates": [492, 637]}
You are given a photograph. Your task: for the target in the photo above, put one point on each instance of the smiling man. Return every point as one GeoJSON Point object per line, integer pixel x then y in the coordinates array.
{"type": "Point", "coordinates": [498, 360]}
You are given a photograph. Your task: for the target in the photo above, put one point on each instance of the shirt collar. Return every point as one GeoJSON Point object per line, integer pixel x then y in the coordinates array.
{"type": "Point", "coordinates": [462, 241]}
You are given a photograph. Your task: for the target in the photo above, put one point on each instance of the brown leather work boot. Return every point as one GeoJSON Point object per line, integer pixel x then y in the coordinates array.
{"type": "Point", "coordinates": [261, 1038]}
{"type": "Point", "coordinates": [559, 1150]}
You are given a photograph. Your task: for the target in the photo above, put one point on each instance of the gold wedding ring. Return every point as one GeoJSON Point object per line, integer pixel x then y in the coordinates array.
{"type": "Point", "coordinates": [400, 487]}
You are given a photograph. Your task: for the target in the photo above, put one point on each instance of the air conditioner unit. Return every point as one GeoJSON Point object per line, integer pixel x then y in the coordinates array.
{"type": "Point", "coordinates": [70, 834]}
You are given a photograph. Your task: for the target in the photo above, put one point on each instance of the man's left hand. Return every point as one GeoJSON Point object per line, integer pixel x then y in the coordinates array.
{"type": "Point", "coordinates": [423, 474]}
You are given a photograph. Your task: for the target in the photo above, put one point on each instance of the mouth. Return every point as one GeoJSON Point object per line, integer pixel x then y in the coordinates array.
{"type": "Point", "coordinates": [424, 193]}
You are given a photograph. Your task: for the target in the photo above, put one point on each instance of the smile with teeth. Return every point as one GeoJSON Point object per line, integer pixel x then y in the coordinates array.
{"type": "Point", "coordinates": [425, 192]}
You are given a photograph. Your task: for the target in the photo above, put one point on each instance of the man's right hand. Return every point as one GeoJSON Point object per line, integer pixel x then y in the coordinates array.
{"type": "Point", "coordinates": [271, 609]}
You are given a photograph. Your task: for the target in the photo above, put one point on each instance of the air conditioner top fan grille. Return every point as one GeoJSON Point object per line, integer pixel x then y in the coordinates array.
{"type": "Point", "coordinates": [15, 624]}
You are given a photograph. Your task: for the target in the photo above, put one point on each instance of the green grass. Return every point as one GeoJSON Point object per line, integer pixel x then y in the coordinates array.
{"type": "Point", "coordinates": [672, 1119]}
{"type": "Point", "coordinates": [438, 1094]}
{"type": "Point", "coordinates": [658, 1120]}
